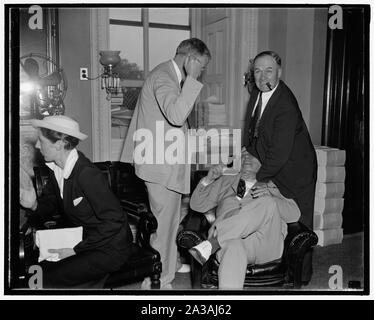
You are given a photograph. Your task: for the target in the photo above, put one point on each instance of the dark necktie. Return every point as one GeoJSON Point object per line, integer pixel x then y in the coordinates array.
{"type": "Point", "coordinates": [241, 188]}
{"type": "Point", "coordinates": [255, 120]}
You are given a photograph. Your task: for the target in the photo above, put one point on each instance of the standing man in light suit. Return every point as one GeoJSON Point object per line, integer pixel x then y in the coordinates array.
{"type": "Point", "coordinates": [166, 100]}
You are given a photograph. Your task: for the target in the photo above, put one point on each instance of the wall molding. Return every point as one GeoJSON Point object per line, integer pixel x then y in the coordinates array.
{"type": "Point", "coordinates": [101, 115]}
{"type": "Point", "coordinates": [196, 25]}
{"type": "Point", "coordinates": [244, 45]}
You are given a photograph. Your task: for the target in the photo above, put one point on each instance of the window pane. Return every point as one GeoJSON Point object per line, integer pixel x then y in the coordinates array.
{"type": "Point", "coordinates": [126, 98]}
{"type": "Point", "coordinates": [132, 14]}
{"type": "Point", "coordinates": [163, 43]}
{"type": "Point", "coordinates": [130, 96]}
{"type": "Point", "coordinates": [168, 15]}
{"type": "Point", "coordinates": [129, 40]}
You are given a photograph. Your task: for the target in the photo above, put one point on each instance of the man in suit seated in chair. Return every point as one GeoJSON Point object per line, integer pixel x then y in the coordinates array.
{"type": "Point", "coordinates": [250, 223]}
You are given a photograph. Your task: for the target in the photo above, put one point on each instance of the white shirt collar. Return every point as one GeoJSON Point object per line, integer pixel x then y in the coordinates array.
{"type": "Point", "coordinates": [69, 164]}
{"type": "Point", "coordinates": [177, 71]}
{"type": "Point", "coordinates": [266, 95]}
{"type": "Point", "coordinates": [61, 174]}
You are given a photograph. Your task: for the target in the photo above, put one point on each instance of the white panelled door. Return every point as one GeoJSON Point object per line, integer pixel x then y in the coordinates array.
{"type": "Point", "coordinates": [215, 79]}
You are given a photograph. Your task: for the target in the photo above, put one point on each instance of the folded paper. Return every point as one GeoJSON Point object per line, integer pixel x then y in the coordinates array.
{"type": "Point", "coordinates": [330, 174]}
{"type": "Point", "coordinates": [330, 190]}
{"type": "Point", "coordinates": [326, 206]}
{"type": "Point", "coordinates": [327, 221]}
{"type": "Point", "coordinates": [56, 239]}
{"type": "Point", "coordinates": [329, 237]}
{"type": "Point", "coordinates": [330, 156]}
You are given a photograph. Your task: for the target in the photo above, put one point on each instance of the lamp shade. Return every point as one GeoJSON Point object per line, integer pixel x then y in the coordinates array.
{"type": "Point", "coordinates": [109, 58]}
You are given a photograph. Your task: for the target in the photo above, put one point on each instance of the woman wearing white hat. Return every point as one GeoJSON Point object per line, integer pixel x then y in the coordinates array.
{"type": "Point", "coordinates": [87, 202]}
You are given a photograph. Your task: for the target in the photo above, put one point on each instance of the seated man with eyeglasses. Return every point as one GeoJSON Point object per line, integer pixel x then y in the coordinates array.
{"type": "Point", "coordinates": [250, 224]}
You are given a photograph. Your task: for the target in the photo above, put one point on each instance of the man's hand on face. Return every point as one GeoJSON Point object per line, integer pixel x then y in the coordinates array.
{"type": "Point", "coordinates": [214, 173]}
{"type": "Point", "coordinates": [193, 66]}
{"type": "Point", "coordinates": [249, 162]}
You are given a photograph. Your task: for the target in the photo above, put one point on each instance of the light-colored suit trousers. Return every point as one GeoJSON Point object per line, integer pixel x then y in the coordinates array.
{"type": "Point", "coordinates": [254, 235]}
{"type": "Point", "coordinates": [166, 206]}
{"type": "Point", "coordinates": [249, 231]}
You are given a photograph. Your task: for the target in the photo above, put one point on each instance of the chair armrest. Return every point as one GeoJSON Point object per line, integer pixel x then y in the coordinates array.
{"type": "Point", "coordinates": [146, 221]}
{"type": "Point", "coordinates": [132, 194]}
{"type": "Point", "coordinates": [193, 229]}
{"type": "Point", "coordinates": [28, 253]}
{"type": "Point", "coordinates": [269, 268]}
{"type": "Point", "coordinates": [22, 244]}
{"type": "Point", "coordinates": [134, 208]}
{"type": "Point", "coordinates": [299, 240]}
{"type": "Point", "coordinates": [299, 236]}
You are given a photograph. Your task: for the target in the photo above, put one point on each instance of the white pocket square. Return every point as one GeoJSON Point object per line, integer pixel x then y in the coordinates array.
{"type": "Point", "coordinates": [77, 201]}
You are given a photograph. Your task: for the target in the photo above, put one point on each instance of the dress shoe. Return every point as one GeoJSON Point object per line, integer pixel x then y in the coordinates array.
{"type": "Point", "coordinates": [201, 252]}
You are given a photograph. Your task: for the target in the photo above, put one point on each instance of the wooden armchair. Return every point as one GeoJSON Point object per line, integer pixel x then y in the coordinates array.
{"type": "Point", "coordinates": [131, 191]}
{"type": "Point", "coordinates": [145, 261]}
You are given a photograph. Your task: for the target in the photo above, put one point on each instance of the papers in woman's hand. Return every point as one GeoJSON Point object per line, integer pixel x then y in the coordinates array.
{"type": "Point", "coordinates": [56, 239]}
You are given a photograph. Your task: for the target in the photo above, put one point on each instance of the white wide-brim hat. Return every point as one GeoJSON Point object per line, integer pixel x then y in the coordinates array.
{"type": "Point", "coordinates": [61, 124]}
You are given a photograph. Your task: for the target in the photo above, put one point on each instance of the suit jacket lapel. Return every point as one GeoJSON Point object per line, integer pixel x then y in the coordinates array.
{"type": "Point", "coordinates": [173, 73]}
{"type": "Point", "coordinates": [235, 183]}
{"type": "Point", "coordinates": [252, 102]}
{"type": "Point", "coordinates": [271, 104]}
{"type": "Point", "coordinates": [68, 197]}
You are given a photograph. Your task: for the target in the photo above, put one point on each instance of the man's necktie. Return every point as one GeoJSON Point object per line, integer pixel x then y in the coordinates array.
{"type": "Point", "coordinates": [255, 120]}
{"type": "Point", "coordinates": [241, 188]}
